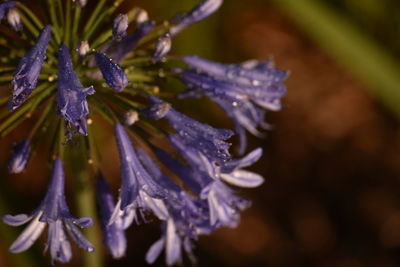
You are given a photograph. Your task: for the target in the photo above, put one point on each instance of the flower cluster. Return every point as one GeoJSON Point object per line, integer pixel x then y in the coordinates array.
{"type": "Point", "coordinates": [85, 74]}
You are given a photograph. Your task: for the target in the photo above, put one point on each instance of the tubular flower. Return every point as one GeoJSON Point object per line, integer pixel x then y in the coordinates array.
{"type": "Point", "coordinates": [54, 212]}
{"type": "Point", "coordinates": [71, 95]}
{"type": "Point", "coordinates": [174, 168]}
{"type": "Point", "coordinates": [28, 70]}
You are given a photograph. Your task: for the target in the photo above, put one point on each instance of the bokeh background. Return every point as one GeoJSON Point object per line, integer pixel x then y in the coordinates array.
{"type": "Point", "coordinates": [332, 162]}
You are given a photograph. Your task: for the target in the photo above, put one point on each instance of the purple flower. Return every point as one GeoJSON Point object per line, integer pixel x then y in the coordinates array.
{"type": "Point", "coordinates": [5, 7]}
{"type": "Point", "coordinates": [198, 13]}
{"type": "Point", "coordinates": [120, 26]}
{"type": "Point", "coordinates": [52, 211]}
{"type": "Point", "coordinates": [71, 95]}
{"type": "Point", "coordinates": [25, 78]}
{"type": "Point", "coordinates": [210, 141]}
{"type": "Point", "coordinates": [139, 192]}
{"type": "Point", "coordinates": [245, 91]}
{"type": "Point", "coordinates": [20, 155]}
{"type": "Point", "coordinates": [117, 50]}
{"type": "Point", "coordinates": [112, 72]}
{"type": "Point", "coordinates": [163, 47]}
{"type": "Point", "coordinates": [114, 235]}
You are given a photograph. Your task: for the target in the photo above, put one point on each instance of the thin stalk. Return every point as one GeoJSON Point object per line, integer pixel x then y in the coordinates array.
{"type": "Point", "coordinates": [93, 17]}
{"type": "Point", "coordinates": [54, 21]}
{"type": "Point", "coordinates": [67, 28]}
{"type": "Point", "coordinates": [75, 24]}
{"type": "Point", "coordinates": [86, 205]}
{"type": "Point", "coordinates": [100, 19]}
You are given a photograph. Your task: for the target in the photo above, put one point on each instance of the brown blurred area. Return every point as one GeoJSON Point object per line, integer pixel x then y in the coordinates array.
{"type": "Point", "coordinates": [332, 163]}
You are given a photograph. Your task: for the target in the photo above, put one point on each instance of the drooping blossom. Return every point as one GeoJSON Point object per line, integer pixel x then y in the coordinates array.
{"type": "Point", "coordinates": [19, 157]}
{"type": "Point", "coordinates": [54, 213]}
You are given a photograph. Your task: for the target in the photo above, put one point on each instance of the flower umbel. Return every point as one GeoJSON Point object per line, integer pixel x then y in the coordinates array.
{"type": "Point", "coordinates": [173, 167]}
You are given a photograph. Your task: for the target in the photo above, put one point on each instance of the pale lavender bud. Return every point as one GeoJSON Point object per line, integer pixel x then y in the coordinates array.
{"type": "Point", "coordinates": [14, 19]}
{"type": "Point", "coordinates": [163, 47]}
{"type": "Point", "coordinates": [142, 16]}
{"type": "Point", "coordinates": [120, 26]}
{"type": "Point", "coordinates": [83, 48]}
{"type": "Point", "coordinates": [131, 117]}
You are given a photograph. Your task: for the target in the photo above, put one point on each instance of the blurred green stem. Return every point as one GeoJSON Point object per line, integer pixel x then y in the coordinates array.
{"type": "Point", "coordinates": [350, 46]}
{"type": "Point", "coordinates": [85, 199]}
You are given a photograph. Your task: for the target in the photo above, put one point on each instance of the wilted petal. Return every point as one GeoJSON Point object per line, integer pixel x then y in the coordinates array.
{"type": "Point", "coordinates": [112, 72]}
{"type": "Point", "coordinates": [28, 70]}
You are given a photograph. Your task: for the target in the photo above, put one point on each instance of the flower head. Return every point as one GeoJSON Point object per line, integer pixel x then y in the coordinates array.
{"type": "Point", "coordinates": [54, 212]}
{"type": "Point", "coordinates": [71, 95]}
{"type": "Point", "coordinates": [28, 70]}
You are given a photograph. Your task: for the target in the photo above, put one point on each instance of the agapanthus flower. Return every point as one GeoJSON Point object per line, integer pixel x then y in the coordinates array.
{"type": "Point", "coordinates": [28, 70]}
{"type": "Point", "coordinates": [245, 91]}
{"type": "Point", "coordinates": [174, 169]}
{"type": "Point", "coordinates": [54, 212]}
{"type": "Point", "coordinates": [209, 140]}
{"type": "Point", "coordinates": [139, 192]}
{"type": "Point", "coordinates": [71, 95]}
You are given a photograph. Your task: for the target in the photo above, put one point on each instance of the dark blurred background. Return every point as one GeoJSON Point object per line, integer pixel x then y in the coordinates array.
{"type": "Point", "coordinates": [332, 162]}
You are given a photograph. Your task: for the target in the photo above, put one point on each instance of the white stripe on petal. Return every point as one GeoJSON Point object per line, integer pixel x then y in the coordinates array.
{"type": "Point", "coordinates": [243, 178]}
{"type": "Point", "coordinates": [29, 235]}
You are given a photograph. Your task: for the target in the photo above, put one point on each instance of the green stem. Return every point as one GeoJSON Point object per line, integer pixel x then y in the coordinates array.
{"type": "Point", "coordinates": [93, 17]}
{"type": "Point", "coordinates": [67, 28]}
{"type": "Point", "coordinates": [353, 48]}
{"type": "Point", "coordinates": [85, 199]}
